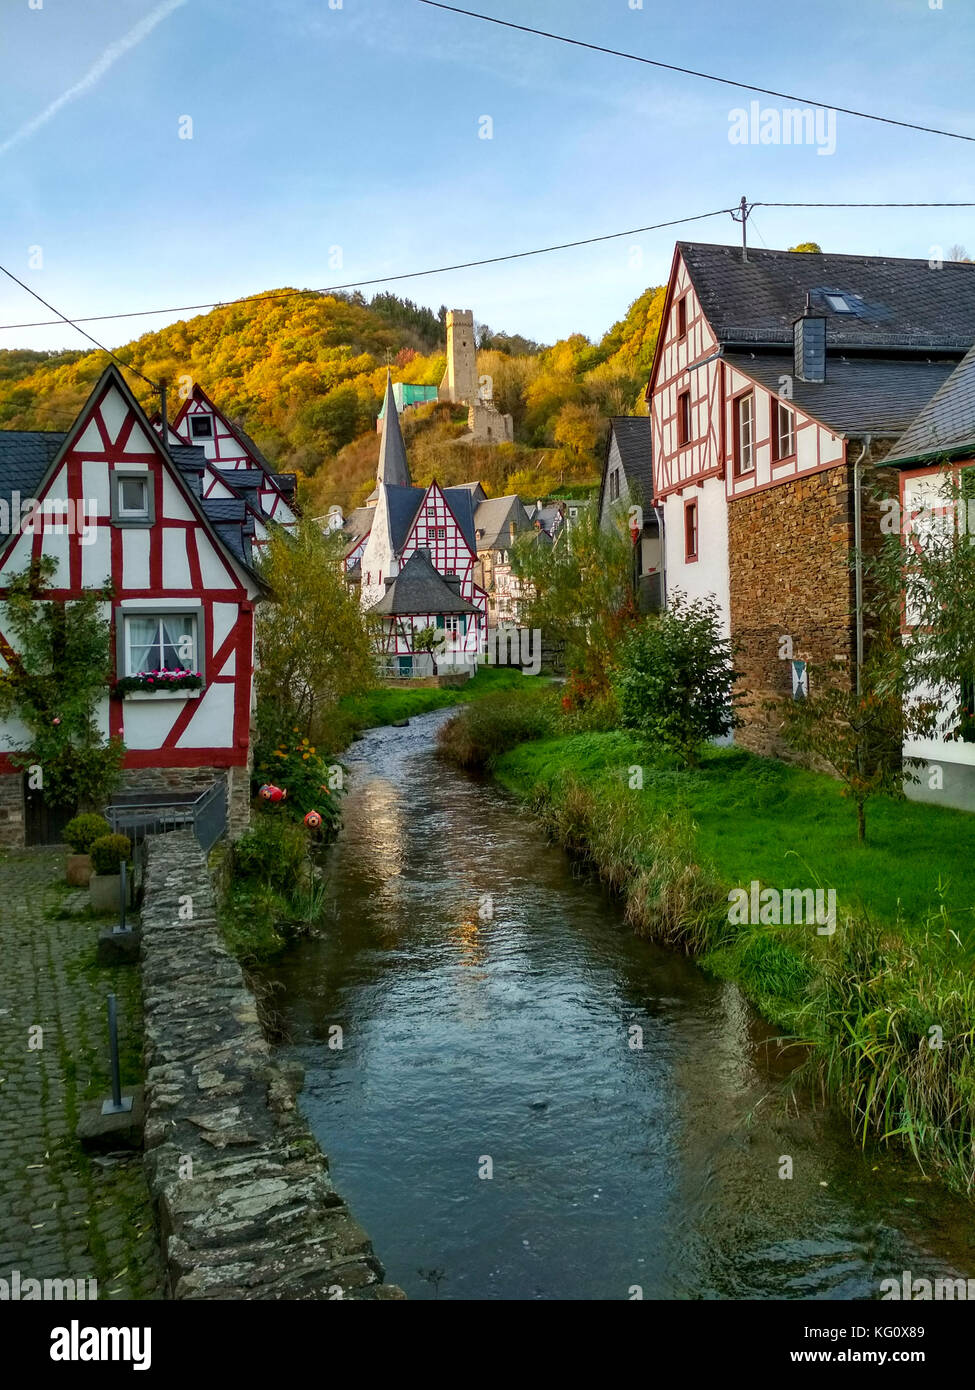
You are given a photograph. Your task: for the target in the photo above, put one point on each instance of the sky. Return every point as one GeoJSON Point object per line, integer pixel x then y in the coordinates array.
{"type": "Point", "coordinates": [338, 141]}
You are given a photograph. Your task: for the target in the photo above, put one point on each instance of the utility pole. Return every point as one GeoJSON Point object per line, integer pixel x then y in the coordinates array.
{"type": "Point", "coordinates": [742, 216]}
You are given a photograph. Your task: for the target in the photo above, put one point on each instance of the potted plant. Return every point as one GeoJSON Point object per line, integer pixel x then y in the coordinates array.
{"type": "Point", "coordinates": [105, 886]}
{"type": "Point", "coordinates": [80, 833]}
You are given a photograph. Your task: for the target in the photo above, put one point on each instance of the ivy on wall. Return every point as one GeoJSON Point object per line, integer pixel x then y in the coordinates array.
{"type": "Point", "coordinates": [58, 656]}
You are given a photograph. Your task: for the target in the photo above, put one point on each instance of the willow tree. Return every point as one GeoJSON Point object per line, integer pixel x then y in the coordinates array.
{"type": "Point", "coordinates": [578, 592]}
{"type": "Point", "coordinates": [314, 643]}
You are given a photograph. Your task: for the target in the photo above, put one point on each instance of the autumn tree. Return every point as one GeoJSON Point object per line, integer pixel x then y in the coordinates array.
{"type": "Point", "coordinates": [313, 641]}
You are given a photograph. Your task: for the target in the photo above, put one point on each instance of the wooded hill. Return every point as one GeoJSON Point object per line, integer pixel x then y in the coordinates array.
{"type": "Point", "coordinates": [305, 375]}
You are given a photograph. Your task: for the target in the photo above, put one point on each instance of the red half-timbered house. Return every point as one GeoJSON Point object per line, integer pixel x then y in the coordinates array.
{"type": "Point", "coordinates": [235, 458]}
{"type": "Point", "coordinates": [107, 500]}
{"type": "Point", "coordinates": [779, 380]}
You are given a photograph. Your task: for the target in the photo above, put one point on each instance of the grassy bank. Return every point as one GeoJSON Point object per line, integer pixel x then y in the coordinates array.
{"type": "Point", "coordinates": [887, 1001]}
{"type": "Point", "coordinates": [386, 704]}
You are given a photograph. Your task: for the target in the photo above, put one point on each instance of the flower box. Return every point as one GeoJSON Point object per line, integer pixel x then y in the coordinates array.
{"type": "Point", "coordinates": [162, 695]}
{"type": "Point", "coordinates": [152, 684]}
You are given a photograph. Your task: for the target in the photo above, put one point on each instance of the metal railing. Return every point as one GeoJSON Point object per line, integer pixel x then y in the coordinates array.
{"type": "Point", "coordinates": [139, 814]}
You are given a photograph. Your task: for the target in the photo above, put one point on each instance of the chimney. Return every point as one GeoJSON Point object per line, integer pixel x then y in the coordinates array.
{"type": "Point", "coordinates": [452, 582]}
{"type": "Point", "coordinates": [809, 345]}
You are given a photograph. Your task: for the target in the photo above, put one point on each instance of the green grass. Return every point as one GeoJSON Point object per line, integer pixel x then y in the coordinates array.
{"type": "Point", "coordinates": [757, 818]}
{"type": "Point", "coordinates": [387, 704]}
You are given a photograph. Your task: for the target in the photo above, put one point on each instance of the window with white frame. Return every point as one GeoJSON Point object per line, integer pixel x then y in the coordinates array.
{"type": "Point", "coordinates": [745, 434]}
{"type": "Point", "coordinates": [132, 502]}
{"type": "Point", "coordinates": [160, 642]}
{"type": "Point", "coordinates": [784, 436]}
{"type": "Point", "coordinates": [452, 623]}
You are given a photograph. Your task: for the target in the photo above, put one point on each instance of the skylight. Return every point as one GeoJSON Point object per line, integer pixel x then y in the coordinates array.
{"type": "Point", "coordinates": [839, 304]}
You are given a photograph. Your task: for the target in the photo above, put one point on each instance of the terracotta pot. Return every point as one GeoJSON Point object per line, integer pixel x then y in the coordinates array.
{"type": "Point", "coordinates": [78, 870]}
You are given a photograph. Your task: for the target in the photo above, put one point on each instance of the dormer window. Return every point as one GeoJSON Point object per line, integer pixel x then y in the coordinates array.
{"type": "Point", "coordinates": [839, 304]}
{"type": "Point", "coordinates": [201, 427]}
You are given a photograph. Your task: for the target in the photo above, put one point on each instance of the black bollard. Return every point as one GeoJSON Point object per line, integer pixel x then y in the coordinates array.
{"type": "Point", "coordinates": [118, 1102]}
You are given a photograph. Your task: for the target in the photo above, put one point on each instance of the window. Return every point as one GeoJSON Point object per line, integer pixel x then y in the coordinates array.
{"type": "Point", "coordinates": [839, 304]}
{"type": "Point", "coordinates": [437, 533]}
{"type": "Point", "coordinates": [159, 642]}
{"type": "Point", "coordinates": [690, 530]}
{"type": "Point", "coordinates": [684, 417]}
{"type": "Point", "coordinates": [201, 427]}
{"type": "Point", "coordinates": [682, 317]}
{"type": "Point", "coordinates": [132, 499]}
{"type": "Point", "coordinates": [614, 485]}
{"type": "Point", "coordinates": [745, 434]}
{"type": "Point", "coordinates": [784, 434]}
{"type": "Point", "coordinates": [452, 625]}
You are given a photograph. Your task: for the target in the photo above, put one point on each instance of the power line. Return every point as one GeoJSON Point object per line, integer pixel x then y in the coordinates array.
{"type": "Point", "coordinates": [418, 274]}
{"type": "Point", "coordinates": [63, 318]}
{"type": "Point", "coordinates": [353, 284]}
{"type": "Point", "coordinates": [692, 72]}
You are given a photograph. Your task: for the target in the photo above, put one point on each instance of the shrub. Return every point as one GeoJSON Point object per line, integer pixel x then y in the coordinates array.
{"type": "Point", "coordinates": [83, 830]}
{"type": "Point", "coordinates": [312, 783]}
{"type": "Point", "coordinates": [675, 678]}
{"type": "Point", "coordinates": [108, 852]}
{"type": "Point", "coordinates": [273, 852]}
{"type": "Point", "coordinates": [485, 729]}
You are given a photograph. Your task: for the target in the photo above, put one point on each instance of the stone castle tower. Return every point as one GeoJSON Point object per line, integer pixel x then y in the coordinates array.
{"type": "Point", "coordinates": [460, 379]}
{"type": "Point", "coordinates": [461, 385]}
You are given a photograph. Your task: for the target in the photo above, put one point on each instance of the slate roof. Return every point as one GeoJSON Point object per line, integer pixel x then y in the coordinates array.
{"type": "Point", "coordinates": [493, 517]}
{"type": "Point", "coordinates": [461, 503]}
{"type": "Point", "coordinates": [25, 456]}
{"type": "Point", "coordinates": [633, 435]}
{"type": "Point", "coordinates": [946, 424]}
{"type": "Point", "coordinates": [899, 303]}
{"type": "Point", "coordinates": [359, 522]}
{"type": "Point", "coordinates": [420, 589]}
{"type": "Point", "coordinates": [861, 395]}
{"type": "Point", "coordinates": [393, 467]}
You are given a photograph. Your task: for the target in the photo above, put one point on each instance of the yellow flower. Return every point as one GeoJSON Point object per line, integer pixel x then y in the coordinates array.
{"type": "Point", "coordinates": [305, 756]}
{"type": "Point", "coordinates": [311, 750]}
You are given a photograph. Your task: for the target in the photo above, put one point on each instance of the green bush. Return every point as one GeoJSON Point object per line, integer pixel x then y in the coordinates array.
{"type": "Point", "coordinates": [81, 832]}
{"type": "Point", "coordinates": [675, 678]}
{"type": "Point", "coordinates": [485, 729]}
{"type": "Point", "coordinates": [273, 852]}
{"type": "Point", "coordinates": [312, 783]}
{"type": "Point", "coordinates": [108, 852]}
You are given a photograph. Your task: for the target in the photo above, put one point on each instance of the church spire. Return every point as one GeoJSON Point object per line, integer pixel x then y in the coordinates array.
{"type": "Point", "coordinates": [393, 467]}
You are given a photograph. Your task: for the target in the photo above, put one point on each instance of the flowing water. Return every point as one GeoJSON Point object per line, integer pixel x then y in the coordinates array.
{"type": "Point", "coordinates": [499, 1036]}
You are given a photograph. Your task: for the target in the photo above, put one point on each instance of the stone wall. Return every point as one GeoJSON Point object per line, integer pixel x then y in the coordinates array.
{"type": "Point", "coordinates": [791, 576]}
{"type": "Point", "coordinates": [12, 810]}
{"type": "Point", "coordinates": [245, 1204]}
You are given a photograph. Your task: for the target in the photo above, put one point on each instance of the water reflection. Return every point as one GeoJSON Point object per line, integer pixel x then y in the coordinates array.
{"type": "Point", "coordinates": [509, 1036]}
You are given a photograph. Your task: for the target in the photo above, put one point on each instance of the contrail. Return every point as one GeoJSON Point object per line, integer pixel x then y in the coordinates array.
{"type": "Point", "coordinates": [96, 72]}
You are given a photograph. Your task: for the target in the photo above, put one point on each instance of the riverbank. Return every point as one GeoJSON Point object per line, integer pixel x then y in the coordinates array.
{"type": "Point", "coordinates": [885, 1000]}
{"type": "Point", "coordinates": [389, 704]}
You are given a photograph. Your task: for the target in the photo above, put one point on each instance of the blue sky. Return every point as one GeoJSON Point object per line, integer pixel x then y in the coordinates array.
{"type": "Point", "coordinates": [358, 128]}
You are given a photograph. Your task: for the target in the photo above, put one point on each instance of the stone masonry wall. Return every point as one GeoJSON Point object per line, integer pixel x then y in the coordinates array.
{"type": "Point", "coordinates": [12, 810]}
{"type": "Point", "coordinates": [245, 1203]}
{"type": "Point", "coordinates": [791, 552]}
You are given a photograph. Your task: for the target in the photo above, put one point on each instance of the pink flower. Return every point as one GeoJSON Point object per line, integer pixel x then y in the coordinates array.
{"type": "Point", "coordinates": [56, 721]}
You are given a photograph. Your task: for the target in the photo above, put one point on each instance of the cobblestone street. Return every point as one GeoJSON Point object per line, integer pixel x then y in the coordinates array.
{"type": "Point", "coordinates": [64, 1214]}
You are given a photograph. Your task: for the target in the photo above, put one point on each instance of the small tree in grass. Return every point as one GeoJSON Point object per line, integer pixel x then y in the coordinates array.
{"type": "Point", "coordinates": [675, 675]}
{"type": "Point", "coordinates": [859, 735]}
{"type": "Point", "coordinates": [432, 640]}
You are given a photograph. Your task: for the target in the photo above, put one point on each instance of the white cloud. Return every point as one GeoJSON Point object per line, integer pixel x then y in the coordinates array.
{"type": "Point", "coordinates": [96, 72]}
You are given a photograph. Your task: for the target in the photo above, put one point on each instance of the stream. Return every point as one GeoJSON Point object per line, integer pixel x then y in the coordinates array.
{"type": "Point", "coordinates": [497, 1017]}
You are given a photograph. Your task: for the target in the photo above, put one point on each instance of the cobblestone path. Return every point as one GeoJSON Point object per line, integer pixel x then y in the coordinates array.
{"type": "Point", "coordinates": [64, 1214]}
